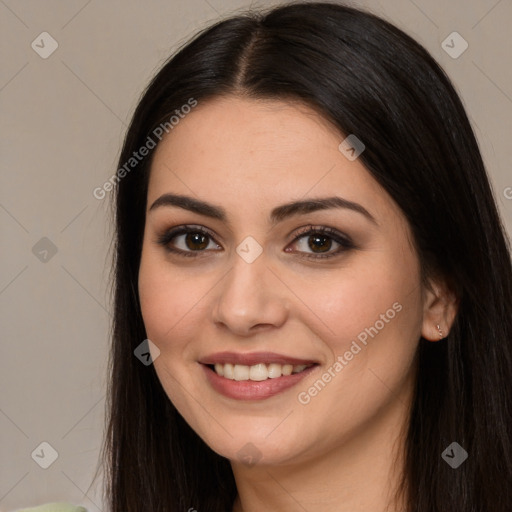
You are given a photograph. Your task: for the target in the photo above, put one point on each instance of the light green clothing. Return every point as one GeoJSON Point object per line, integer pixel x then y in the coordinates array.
{"type": "Point", "coordinates": [54, 507]}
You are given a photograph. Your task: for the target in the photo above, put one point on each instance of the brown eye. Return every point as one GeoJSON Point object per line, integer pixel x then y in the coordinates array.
{"type": "Point", "coordinates": [188, 241]}
{"type": "Point", "coordinates": [196, 241]}
{"type": "Point", "coordinates": [319, 242]}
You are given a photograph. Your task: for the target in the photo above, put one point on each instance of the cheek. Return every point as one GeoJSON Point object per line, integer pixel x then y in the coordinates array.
{"type": "Point", "coordinates": [167, 310]}
{"type": "Point", "coordinates": [373, 322]}
{"type": "Point", "coordinates": [154, 296]}
{"type": "Point", "coordinates": [173, 302]}
{"type": "Point", "coordinates": [368, 299]}
{"type": "Point", "coordinates": [161, 305]}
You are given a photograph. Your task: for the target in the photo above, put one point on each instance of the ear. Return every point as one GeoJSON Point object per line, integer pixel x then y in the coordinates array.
{"type": "Point", "coordinates": [440, 306]}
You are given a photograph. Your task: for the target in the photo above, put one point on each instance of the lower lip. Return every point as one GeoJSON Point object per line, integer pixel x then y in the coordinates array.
{"type": "Point", "coordinates": [254, 390]}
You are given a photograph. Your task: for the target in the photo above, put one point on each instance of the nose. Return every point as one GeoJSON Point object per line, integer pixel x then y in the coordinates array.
{"type": "Point", "coordinates": [250, 299]}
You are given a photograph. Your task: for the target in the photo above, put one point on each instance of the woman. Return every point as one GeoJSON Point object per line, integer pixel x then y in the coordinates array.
{"type": "Point", "coordinates": [309, 253]}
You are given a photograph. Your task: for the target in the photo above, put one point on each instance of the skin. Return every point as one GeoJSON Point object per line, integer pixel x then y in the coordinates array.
{"type": "Point", "coordinates": [341, 451]}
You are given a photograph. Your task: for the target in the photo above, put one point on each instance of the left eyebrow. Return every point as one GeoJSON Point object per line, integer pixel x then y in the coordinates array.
{"type": "Point", "coordinates": [312, 205]}
{"type": "Point", "coordinates": [278, 214]}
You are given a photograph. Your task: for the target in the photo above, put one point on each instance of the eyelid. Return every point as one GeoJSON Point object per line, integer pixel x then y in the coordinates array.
{"type": "Point", "coordinates": [165, 237]}
{"type": "Point", "coordinates": [311, 228]}
{"type": "Point", "coordinates": [343, 240]}
{"type": "Point", "coordinates": [338, 237]}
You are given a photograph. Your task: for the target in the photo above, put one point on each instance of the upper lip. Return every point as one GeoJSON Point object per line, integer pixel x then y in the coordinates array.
{"type": "Point", "coordinates": [252, 358]}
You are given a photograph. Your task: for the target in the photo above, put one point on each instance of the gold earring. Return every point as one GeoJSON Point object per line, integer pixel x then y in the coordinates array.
{"type": "Point", "coordinates": [440, 332]}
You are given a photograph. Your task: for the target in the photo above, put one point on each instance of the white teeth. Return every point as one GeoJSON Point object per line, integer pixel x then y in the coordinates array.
{"type": "Point", "coordinates": [241, 372]}
{"type": "Point", "coordinates": [229, 371]}
{"type": "Point", "coordinates": [257, 372]}
{"type": "Point", "coordinates": [287, 369]}
{"type": "Point", "coordinates": [274, 371]}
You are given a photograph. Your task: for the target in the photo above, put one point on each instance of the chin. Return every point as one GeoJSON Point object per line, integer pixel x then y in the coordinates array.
{"type": "Point", "coordinates": [262, 441]}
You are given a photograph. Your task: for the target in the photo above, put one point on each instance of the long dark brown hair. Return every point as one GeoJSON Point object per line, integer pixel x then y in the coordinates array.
{"type": "Point", "coordinates": [372, 80]}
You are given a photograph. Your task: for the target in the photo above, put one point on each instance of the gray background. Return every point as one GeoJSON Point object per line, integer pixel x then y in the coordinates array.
{"type": "Point", "coordinates": [62, 124]}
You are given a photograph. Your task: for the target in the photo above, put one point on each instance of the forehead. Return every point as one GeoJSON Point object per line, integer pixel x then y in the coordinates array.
{"type": "Point", "coordinates": [250, 152]}
{"type": "Point", "coordinates": [232, 126]}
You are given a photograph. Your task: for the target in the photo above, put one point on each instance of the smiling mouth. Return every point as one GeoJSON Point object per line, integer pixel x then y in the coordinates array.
{"type": "Point", "coordinates": [257, 372]}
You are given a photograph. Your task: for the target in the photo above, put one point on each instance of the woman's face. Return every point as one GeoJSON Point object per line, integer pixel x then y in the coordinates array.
{"type": "Point", "coordinates": [259, 289]}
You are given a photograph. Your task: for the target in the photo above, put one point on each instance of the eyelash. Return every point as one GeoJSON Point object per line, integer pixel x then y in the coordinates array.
{"type": "Point", "coordinates": [344, 241]}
